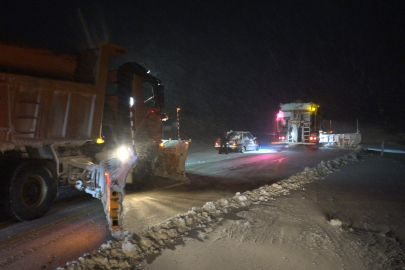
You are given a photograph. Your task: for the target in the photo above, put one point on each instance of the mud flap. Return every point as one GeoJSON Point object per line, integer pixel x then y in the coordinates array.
{"type": "Point", "coordinates": [171, 161]}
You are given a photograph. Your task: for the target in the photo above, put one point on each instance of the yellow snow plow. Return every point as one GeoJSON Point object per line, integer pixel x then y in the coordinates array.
{"type": "Point", "coordinates": [170, 162]}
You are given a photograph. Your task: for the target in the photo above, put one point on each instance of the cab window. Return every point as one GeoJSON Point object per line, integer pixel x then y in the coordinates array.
{"type": "Point", "coordinates": [148, 94]}
{"type": "Point", "coordinates": [233, 136]}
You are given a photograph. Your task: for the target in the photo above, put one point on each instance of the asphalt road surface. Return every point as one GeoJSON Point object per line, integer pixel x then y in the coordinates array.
{"type": "Point", "coordinates": [76, 223]}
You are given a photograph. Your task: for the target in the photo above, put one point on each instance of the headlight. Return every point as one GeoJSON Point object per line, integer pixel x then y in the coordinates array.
{"type": "Point", "coordinates": [123, 153]}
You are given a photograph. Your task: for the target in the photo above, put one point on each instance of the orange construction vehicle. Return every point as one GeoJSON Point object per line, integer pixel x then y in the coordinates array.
{"type": "Point", "coordinates": [69, 120]}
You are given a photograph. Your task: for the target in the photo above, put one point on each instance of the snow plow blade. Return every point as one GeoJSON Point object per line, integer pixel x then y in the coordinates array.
{"type": "Point", "coordinates": [171, 161]}
{"type": "Point", "coordinates": [346, 140]}
{"type": "Point", "coordinates": [110, 176]}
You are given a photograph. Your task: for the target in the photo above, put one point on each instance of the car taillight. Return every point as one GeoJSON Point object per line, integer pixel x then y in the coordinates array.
{"type": "Point", "coordinates": [313, 138]}
{"type": "Point", "coordinates": [281, 138]}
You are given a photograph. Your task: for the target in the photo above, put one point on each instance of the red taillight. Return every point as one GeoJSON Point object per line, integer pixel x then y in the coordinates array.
{"type": "Point", "coordinates": [281, 138]}
{"type": "Point", "coordinates": [313, 138]}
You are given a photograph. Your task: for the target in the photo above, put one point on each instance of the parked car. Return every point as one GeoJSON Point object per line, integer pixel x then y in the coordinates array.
{"type": "Point", "coordinates": [240, 141]}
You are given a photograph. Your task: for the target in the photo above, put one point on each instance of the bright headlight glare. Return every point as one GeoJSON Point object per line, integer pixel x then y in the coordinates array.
{"type": "Point", "coordinates": [123, 153]}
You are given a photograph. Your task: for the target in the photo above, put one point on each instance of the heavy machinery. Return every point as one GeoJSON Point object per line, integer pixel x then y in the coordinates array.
{"type": "Point", "coordinates": [300, 123]}
{"type": "Point", "coordinates": [68, 120]}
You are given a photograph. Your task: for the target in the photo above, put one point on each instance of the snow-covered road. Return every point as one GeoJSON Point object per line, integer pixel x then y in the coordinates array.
{"type": "Point", "coordinates": [352, 219]}
{"type": "Point", "coordinates": [213, 176]}
{"type": "Point", "coordinates": [342, 214]}
{"type": "Point", "coordinates": [287, 220]}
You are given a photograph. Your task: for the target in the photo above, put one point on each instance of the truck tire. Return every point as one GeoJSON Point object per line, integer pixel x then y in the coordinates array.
{"type": "Point", "coordinates": [30, 191]}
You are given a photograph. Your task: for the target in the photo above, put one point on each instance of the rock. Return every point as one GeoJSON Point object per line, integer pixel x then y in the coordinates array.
{"type": "Point", "coordinates": [241, 200]}
{"type": "Point", "coordinates": [335, 222]}
{"type": "Point", "coordinates": [223, 202]}
{"type": "Point", "coordinates": [172, 233]}
{"type": "Point", "coordinates": [161, 235]}
{"type": "Point", "coordinates": [129, 248]}
{"type": "Point", "coordinates": [145, 243]}
{"type": "Point", "coordinates": [209, 207]}
{"type": "Point", "coordinates": [189, 221]}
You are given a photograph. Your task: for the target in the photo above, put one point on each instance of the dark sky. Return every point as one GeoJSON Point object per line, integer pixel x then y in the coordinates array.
{"type": "Point", "coordinates": [231, 63]}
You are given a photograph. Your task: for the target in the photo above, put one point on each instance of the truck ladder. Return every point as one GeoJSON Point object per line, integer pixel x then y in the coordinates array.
{"type": "Point", "coordinates": [305, 131]}
{"type": "Point", "coordinates": [26, 118]}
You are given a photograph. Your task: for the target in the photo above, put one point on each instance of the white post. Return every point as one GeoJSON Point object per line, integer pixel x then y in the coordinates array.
{"type": "Point", "coordinates": [178, 124]}
{"type": "Point", "coordinates": [131, 104]}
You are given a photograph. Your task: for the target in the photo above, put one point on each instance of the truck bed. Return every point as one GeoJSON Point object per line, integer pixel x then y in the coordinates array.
{"type": "Point", "coordinates": [36, 111]}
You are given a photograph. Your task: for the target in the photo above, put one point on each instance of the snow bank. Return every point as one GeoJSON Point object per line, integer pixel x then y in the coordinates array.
{"type": "Point", "coordinates": [129, 249]}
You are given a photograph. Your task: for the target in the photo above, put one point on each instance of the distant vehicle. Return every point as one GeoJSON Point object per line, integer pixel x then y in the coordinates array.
{"type": "Point", "coordinates": [240, 141]}
{"type": "Point", "coordinates": [299, 124]}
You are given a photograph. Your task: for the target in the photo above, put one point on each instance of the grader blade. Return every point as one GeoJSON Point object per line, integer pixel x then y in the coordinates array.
{"type": "Point", "coordinates": [170, 163]}
{"type": "Point", "coordinates": [346, 140]}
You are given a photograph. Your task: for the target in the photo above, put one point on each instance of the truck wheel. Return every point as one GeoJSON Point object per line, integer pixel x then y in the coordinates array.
{"type": "Point", "coordinates": [30, 192]}
{"type": "Point", "coordinates": [243, 149]}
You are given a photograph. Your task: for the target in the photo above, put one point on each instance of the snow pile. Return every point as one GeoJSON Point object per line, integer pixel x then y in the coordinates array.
{"type": "Point", "coordinates": [129, 249]}
{"type": "Point", "coordinates": [335, 222]}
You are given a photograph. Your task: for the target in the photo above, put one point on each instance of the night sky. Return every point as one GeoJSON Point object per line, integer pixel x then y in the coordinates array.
{"type": "Point", "coordinates": [231, 63]}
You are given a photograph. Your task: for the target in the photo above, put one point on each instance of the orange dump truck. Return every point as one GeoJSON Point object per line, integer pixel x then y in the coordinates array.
{"type": "Point", "coordinates": [66, 120]}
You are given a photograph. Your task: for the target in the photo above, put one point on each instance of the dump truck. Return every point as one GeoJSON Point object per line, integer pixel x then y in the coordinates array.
{"type": "Point", "coordinates": [66, 119]}
{"type": "Point", "coordinates": [300, 124]}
